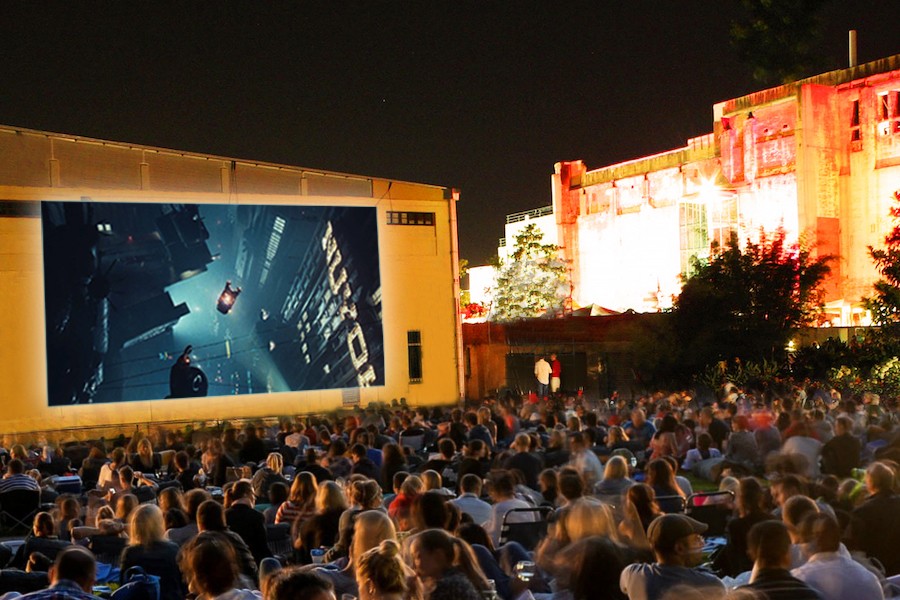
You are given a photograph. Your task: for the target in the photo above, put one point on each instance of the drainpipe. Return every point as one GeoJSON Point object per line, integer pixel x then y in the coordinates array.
{"type": "Point", "coordinates": [454, 264]}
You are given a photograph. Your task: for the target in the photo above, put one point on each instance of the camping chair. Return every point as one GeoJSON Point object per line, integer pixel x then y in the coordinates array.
{"type": "Point", "coordinates": [528, 533]}
{"type": "Point", "coordinates": [108, 548]}
{"type": "Point", "coordinates": [415, 442]}
{"type": "Point", "coordinates": [18, 508]}
{"type": "Point", "coordinates": [165, 459]}
{"type": "Point", "coordinates": [671, 504]}
{"type": "Point", "coordinates": [712, 508]}
{"type": "Point", "coordinates": [278, 538]}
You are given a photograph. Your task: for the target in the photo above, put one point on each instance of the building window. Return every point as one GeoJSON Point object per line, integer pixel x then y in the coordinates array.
{"type": "Point", "coordinates": [414, 346]}
{"type": "Point", "coordinates": [693, 227]}
{"type": "Point", "coordinates": [395, 217]}
{"type": "Point", "coordinates": [888, 110]}
{"type": "Point", "coordinates": [855, 132]}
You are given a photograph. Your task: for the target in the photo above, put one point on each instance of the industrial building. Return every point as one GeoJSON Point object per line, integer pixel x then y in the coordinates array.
{"type": "Point", "coordinates": [819, 157]}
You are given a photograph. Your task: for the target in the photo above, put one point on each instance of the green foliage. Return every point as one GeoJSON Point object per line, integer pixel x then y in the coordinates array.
{"type": "Point", "coordinates": [815, 361]}
{"type": "Point", "coordinates": [780, 40]}
{"type": "Point", "coordinates": [744, 303]}
{"type": "Point", "coordinates": [532, 281]}
{"type": "Point", "coordinates": [465, 297]}
{"type": "Point", "coordinates": [882, 379]}
{"type": "Point", "coordinates": [885, 304]}
{"type": "Point", "coordinates": [738, 372]}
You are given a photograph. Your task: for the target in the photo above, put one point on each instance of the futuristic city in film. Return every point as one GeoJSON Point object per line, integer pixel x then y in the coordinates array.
{"type": "Point", "coordinates": [153, 301]}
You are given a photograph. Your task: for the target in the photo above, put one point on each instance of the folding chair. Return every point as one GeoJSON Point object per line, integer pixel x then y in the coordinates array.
{"type": "Point", "coordinates": [527, 533]}
{"type": "Point", "coordinates": [144, 494]}
{"type": "Point", "coordinates": [108, 548]}
{"type": "Point", "coordinates": [671, 504]}
{"type": "Point", "coordinates": [18, 508]}
{"type": "Point", "coordinates": [165, 458]}
{"type": "Point", "coordinates": [14, 580]}
{"type": "Point", "coordinates": [712, 508]}
{"type": "Point", "coordinates": [416, 442]}
{"type": "Point", "coordinates": [278, 538]}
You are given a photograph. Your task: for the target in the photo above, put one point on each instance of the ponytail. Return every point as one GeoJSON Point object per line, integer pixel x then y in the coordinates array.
{"type": "Point", "coordinates": [464, 558]}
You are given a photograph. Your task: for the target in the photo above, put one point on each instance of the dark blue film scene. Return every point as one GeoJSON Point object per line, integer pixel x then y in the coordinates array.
{"type": "Point", "coordinates": [154, 301]}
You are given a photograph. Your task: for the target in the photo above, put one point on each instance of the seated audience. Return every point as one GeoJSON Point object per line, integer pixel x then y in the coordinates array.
{"type": "Point", "coordinates": [677, 544]}
{"type": "Point", "coordinates": [769, 546]}
{"type": "Point", "coordinates": [833, 574]}
{"type": "Point", "coordinates": [210, 568]}
{"type": "Point", "coordinates": [147, 548]}
{"type": "Point", "coordinates": [72, 576]}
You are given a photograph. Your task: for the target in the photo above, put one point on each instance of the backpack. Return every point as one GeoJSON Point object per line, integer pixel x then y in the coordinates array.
{"type": "Point", "coordinates": [139, 585]}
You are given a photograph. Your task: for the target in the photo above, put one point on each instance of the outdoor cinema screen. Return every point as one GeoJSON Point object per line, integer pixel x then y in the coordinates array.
{"type": "Point", "coordinates": [153, 301]}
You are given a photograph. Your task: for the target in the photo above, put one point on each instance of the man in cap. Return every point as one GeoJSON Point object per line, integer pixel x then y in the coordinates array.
{"type": "Point", "coordinates": [678, 546]}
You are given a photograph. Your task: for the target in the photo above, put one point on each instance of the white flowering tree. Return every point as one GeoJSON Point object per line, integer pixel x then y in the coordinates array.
{"type": "Point", "coordinates": [532, 282]}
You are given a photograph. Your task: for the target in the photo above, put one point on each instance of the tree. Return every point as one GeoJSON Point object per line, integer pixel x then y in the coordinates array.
{"type": "Point", "coordinates": [885, 304]}
{"type": "Point", "coordinates": [532, 281]}
{"type": "Point", "coordinates": [465, 298]}
{"type": "Point", "coordinates": [744, 303]}
{"type": "Point", "coordinates": [780, 40]}
{"type": "Point", "coordinates": [882, 344]}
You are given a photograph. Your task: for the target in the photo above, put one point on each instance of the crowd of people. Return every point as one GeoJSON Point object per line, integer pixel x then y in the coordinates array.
{"type": "Point", "coordinates": [514, 499]}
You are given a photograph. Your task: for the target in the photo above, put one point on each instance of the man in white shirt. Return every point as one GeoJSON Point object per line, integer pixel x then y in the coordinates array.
{"type": "Point", "coordinates": [109, 476]}
{"type": "Point", "coordinates": [542, 371]}
{"type": "Point", "coordinates": [585, 461]}
{"type": "Point", "coordinates": [470, 502]}
{"type": "Point", "coordinates": [833, 574]}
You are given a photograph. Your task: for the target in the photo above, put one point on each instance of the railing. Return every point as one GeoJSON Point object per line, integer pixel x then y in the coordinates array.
{"type": "Point", "coordinates": [529, 214]}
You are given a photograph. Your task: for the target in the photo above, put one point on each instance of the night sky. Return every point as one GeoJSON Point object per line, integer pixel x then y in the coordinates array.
{"type": "Point", "coordinates": [483, 96]}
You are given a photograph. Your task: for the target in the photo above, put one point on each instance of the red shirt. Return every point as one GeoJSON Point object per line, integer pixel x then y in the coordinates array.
{"type": "Point", "coordinates": [555, 368]}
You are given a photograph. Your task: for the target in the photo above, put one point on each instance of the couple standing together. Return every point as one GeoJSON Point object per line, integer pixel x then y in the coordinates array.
{"type": "Point", "coordinates": [547, 374]}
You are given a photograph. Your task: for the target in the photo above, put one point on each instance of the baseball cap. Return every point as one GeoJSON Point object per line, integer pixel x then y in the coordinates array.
{"type": "Point", "coordinates": [665, 530]}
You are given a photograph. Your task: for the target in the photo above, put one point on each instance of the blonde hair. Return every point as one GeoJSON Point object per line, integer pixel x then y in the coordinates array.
{"type": "Point", "coordinates": [275, 462]}
{"type": "Point", "coordinates": [730, 484]}
{"type": "Point", "coordinates": [432, 480]}
{"type": "Point", "coordinates": [370, 529]}
{"type": "Point", "coordinates": [143, 444]}
{"type": "Point", "coordinates": [383, 567]}
{"type": "Point", "coordinates": [412, 485]}
{"type": "Point", "coordinates": [616, 468]}
{"type": "Point", "coordinates": [587, 517]}
{"type": "Point", "coordinates": [146, 525]}
{"type": "Point", "coordinates": [330, 497]}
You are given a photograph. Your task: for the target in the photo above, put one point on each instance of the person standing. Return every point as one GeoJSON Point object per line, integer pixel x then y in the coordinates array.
{"type": "Point", "coordinates": [555, 373]}
{"type": "Point", "coordinates": [542, 373]}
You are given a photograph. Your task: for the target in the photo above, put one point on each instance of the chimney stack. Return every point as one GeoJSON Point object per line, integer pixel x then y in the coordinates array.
{"type": "Point", "coordinates": [852, 48]}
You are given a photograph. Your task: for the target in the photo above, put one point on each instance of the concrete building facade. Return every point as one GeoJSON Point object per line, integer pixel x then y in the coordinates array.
{"type": "Point", "coordinates": [819, 157]}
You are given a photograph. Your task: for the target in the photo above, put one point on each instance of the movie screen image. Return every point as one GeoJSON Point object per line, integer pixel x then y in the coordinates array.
{"type": "Point", "coordinates": [154, 301]}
